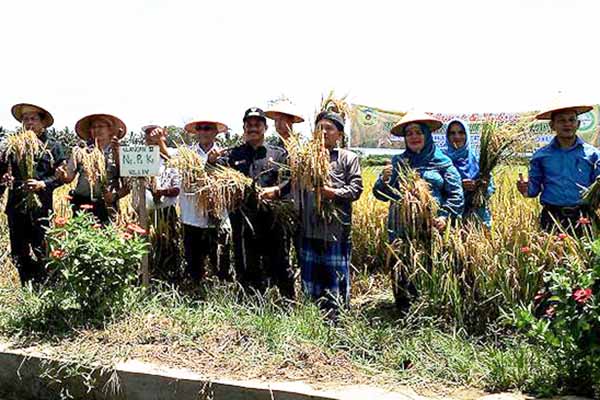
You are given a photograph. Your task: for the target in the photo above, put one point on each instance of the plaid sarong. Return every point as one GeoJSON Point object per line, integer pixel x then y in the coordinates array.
{"type": "Point", "coordinates": [325, 271]}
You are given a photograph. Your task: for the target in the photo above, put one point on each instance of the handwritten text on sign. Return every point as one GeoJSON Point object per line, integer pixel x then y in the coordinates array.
{"type": "Point", "coordinates": [139, 160]}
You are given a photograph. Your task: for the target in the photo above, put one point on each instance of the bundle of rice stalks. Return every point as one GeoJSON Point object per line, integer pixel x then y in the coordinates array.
{"type": "Point", "coordinates": [416, 207]}
{"type": "Point", "coordinates": [338, 106]}
{"type": "Point", "coordinates": [591, 195]}
{"type": "Point", "coordinates": [93, 163]}
{"type": "Point", "coordinates": [218, 189]}
{"type": "Point", "coordinates": [226, 189]}
{"type": "Point", "coordinates": [309, 165]}
{"type": "Point", "coordinates": [23, 148]}
{"type": "Point", "coordinates": [191, 169]}
{"type": "Point", "coordinates": [498, 143]}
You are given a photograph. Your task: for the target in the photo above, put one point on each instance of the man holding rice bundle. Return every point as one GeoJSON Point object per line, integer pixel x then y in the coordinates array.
{"type": "Point", "coordinates": [95, 160]}
{"type": "Point", "coordinates": [27, 225]}
{"type": "Point", "coordinates": [204, 235]}
{"type": "Point", "coordinates": [325, 244]}
{"type": "Point", "coordinates": [161, 199]}
{"type": "Point", "coordinates": [261, 244]}
{"type": "Point", "coordinates": [562, 170]}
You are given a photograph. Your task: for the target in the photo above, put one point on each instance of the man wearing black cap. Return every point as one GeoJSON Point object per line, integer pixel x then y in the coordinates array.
{"type": "Point", "coordinates": [27, 222]}
{"type": "Point", "coordinates": [261, 245]}
{"type": "Point", "coordinates": [325, 243]}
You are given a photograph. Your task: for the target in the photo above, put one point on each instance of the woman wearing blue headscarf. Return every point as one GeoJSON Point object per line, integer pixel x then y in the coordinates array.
{"type": "Point", "coordinates": [466, 161]}
{"type": "Point", "coordinates": [444, 182]}
{"type": "Point", "coordinates": [432, 165]}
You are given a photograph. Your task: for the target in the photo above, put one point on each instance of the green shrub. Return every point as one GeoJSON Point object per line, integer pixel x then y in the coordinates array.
{"type": "Point", "coordinates": [566, 317]}
{"type": "Point", "coordinates": [91, 265]}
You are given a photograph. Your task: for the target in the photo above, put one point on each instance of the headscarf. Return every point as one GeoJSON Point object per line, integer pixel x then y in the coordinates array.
{"type": "Point", "coordinates": [464, 158]}
{"type": "Point", "coordinates": [430, 157]}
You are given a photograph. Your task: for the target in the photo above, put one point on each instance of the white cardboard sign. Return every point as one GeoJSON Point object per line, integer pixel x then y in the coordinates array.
{"type": "Point", "coordinates": [139, 160]}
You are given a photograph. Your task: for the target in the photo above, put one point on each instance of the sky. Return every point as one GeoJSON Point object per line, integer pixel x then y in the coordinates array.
{"type": "Point", "coordinates": [168, 62]}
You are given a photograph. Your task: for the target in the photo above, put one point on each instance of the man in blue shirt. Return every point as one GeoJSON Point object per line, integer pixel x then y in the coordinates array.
{"type": "Point", "coordinates": [561, 170]}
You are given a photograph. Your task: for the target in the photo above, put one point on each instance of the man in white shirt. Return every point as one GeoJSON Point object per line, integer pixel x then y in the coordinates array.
{"type": "Point", "coordinates": [203, 235]}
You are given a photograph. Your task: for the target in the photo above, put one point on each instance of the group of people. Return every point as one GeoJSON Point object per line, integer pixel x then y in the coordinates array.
{"type": "Point", "coordinates": [260, 240]}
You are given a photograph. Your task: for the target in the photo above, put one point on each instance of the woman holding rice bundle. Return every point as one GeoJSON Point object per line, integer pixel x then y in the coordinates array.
{"type": "Point", "coordinates": [325, 244]}
{"type": "Point", "coordinates": [435, 168]}
{"type": "Point", "coordinates": [95, 160]}
{"type": "Point", "coordinates": [459, 149]}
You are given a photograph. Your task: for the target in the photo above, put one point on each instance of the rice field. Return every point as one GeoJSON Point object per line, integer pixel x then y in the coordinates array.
{"type": "Point", "coordinates": [449, 339]}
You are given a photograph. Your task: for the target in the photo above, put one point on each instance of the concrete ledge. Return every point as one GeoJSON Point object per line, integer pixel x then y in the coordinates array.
{"type": "Point", "coordinates": [24, 373]}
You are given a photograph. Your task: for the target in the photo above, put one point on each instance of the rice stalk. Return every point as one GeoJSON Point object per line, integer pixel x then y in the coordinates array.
{"type": "Point", "coordinates": [93, 164]}
{"type": "Point", "coordinates": [309, 167]}
{"type": "Point", "coordinates": [218, 189]}
{"type": "Point", "coordinates": [333, 104]}
{"type": "Point", "coordinates": [415, 208]}
{"type": "Point", "coordinates": [498, 143]}
{"type": "Point", "coordinates": [24, 148]}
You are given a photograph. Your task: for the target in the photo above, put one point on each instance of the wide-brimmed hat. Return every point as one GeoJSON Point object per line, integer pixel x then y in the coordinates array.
{"type": "Point", "coordinates": [416, 117]}
{"type": "Point", "coordinates": [557, 107]}
{"type": "Point", "coordinates": [192, 127]}
{"type": "Point", "coordinates": [284, 109]}
{"type": "Point", "coordinates": [147, 128]}
{"type": "Point", "coordinates": [82, 127]}
{"type": "Point", "coordinates": [22, 108]}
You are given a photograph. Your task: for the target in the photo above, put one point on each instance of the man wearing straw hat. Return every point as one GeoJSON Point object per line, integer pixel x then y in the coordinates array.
{"type": "Point", "coordinates": [284, 115]}
{"type": "Point", "coordinates": [561, 170]}
{"type": "Point", "coordinates": [102, 132]}
{"type": "Point", "coordinates": [261, 243]}
{"type": "Point", "coordinates": [203, 235]}
{"type": "Point", "coordinates": [26, 225]}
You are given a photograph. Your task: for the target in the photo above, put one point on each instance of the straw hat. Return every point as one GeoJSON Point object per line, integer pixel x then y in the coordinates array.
{"type": "Point", "coordinates": [191, 127]}
{"type": "Point", "coordinates": [149, 128]}
{"type": "Point", "coordinates": [82, 127]}
{"type": "Point", "coordinates": [22, 108]}
{"type": "Point", "coordinates": [562, 107]}
{"type": "Point", "coordinates": [416, 117]}
{"type": "Point", "coordinates": [284, 109]}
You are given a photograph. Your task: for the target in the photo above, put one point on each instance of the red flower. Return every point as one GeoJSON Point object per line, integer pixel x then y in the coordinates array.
{"type": "Point", "coordinates": [583, 221]}
{"type": "Point", "coordinates": [97, 226]}
{"type": "Point", "coordinates": [562, 236]}
{"type": "Point", "coordinates": [57, 253]}
{"type": "Point", "coordinates": [525, 250]}
{"type": "Point", "coordinates": [550, 311]}
{"type": "Point", "coordinates": [582, 295]}
{"type": "Point", "coordinates": [60, 221]}
{"type": "Point", "coordinates": [539, 296]}
{"type": "Point", "coordinates": [126, 235]}
{"type": "Point", "coordinates": [134, 228]}
{"type": "Point", "coordinates": [86, 206]}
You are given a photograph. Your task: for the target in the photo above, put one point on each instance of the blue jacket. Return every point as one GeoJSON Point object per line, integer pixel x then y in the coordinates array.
{"type": "Point", "coordinates": [560, 175]}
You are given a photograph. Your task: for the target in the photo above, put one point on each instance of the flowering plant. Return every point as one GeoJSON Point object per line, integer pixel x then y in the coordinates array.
{"type": "Point", "coordinates": [566, 316]}
{"type": "Point", "coordinates": [90, 265]}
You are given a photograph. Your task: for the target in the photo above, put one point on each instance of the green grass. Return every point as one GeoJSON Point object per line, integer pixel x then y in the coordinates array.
{"type": "Point", "coordinates": [222, 332]}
